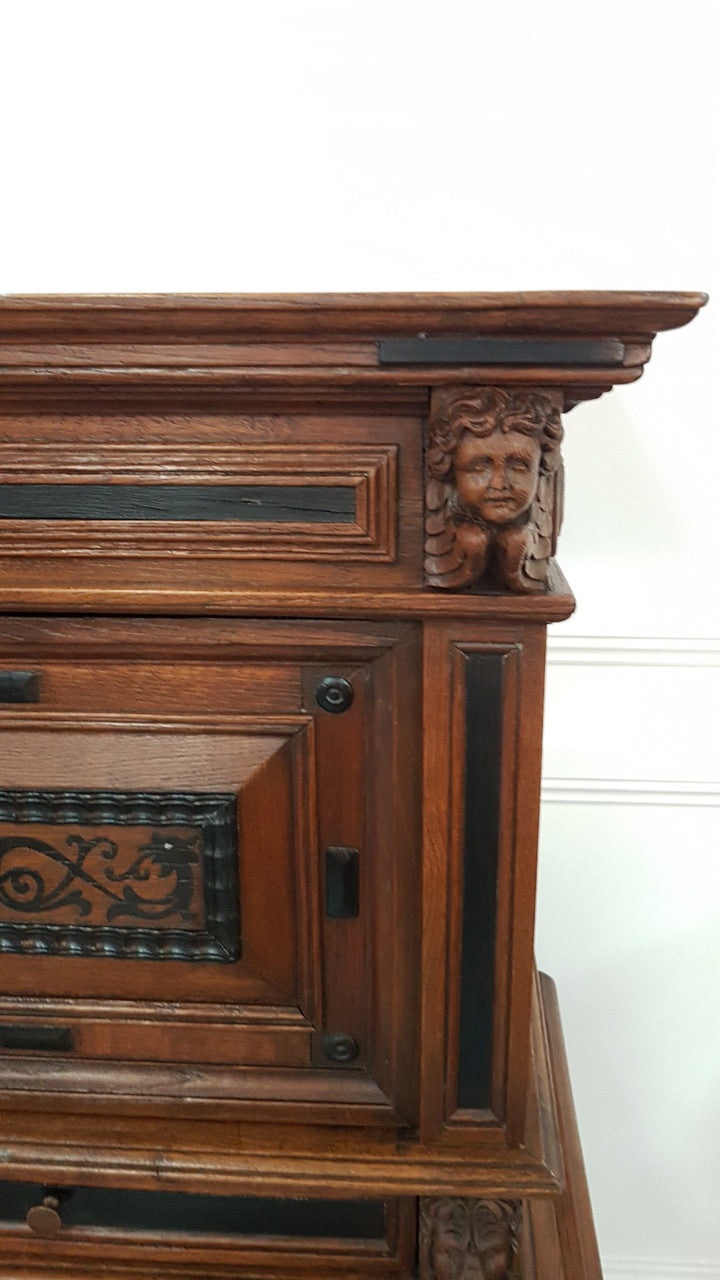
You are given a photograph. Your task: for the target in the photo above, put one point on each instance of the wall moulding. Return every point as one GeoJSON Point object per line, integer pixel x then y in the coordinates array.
{"type": "Point", "coordinates": [630, 791]}
{"type": "Point", "coordinates": [630, 651]}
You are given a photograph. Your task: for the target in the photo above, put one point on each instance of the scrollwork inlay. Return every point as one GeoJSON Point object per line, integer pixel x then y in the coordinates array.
{"type": "Point", "coordinates": [24, 889]}
{"type": "Point", "coordinates": [151, 875]}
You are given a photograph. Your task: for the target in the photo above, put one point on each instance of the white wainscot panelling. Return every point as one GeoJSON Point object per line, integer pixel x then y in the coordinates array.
{"type": "Point", "coordinates": [659, 1269]}
{"type": "Point", "coordinates": [628, 926]}
{"type": "Point", "coordinates": [632, 718]}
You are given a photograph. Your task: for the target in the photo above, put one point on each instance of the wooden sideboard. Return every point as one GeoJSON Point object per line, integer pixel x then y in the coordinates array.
{"type": "Point", "coordinates": [275, 579]}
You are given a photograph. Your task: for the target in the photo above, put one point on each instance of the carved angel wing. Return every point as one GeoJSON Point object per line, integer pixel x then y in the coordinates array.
{"type": "Point", "coordinates": [445, 561]}
{"type": "Point", "coordinates": [542, 530]}
{"type": "Point", "coordinates": [558, 504]}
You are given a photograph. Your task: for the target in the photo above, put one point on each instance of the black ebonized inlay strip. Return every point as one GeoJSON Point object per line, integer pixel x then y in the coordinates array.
{"type": "Point", "coordinates": [178, 1211]}
{"type": "Point", "coordinates": [35, 1039]}
{"type": "Point", "coordinates": [483, 693]}
{"type": "Point", "coordinates": [285, 504]}
{"type": "Point", "coordinates": [19, 686]}
{"type": "Point", "coordinates": [556, 352]}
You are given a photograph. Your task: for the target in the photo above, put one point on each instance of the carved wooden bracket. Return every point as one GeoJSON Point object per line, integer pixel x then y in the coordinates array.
{"type": "Point", "coordinates": [494, 478]}
{"type": "Point", "coordinates": [462, 1239]}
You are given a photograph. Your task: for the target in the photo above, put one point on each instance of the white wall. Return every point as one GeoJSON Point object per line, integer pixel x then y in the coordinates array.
{"type": "Point", "coordinates": [405, 144]}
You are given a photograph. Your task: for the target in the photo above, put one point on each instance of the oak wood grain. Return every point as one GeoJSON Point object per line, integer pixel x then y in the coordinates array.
{"type": "Point", "coordinates": [187, 654]}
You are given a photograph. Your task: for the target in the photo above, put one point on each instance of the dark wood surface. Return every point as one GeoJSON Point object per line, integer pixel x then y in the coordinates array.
{"type": "Point", "coordinates": [362, 685]}
{"type": "Point", "coordinates": [310, 340]}
{"type": "Point", "coordinates": [573, 1213]}
{"type": "Point", "coordinates": [557, 1240]}
{"type": "Point", "coordinates": [192, 316]}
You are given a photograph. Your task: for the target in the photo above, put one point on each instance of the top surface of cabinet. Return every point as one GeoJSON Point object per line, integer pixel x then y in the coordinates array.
{"type": "Point", "coordinates": [639, 311]}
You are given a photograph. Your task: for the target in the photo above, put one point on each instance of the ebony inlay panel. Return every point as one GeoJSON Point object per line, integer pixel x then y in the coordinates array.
{"type": "Point", "coordinates": [323, 504]}
{"type": "Point", "coordinates": [483, 698]}
{"type": "Point", "coordinates": [176, 1211]}
{"type": "Point", "coordinates": [553, 352]}
{"type": "Point", "coordinates": [130, 874]}
{"type": "Point", "coordinates": [19, 686]}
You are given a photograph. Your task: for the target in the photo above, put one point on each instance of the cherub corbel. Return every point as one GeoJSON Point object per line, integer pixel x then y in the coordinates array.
{"type": "Point", "coordinates": [493, 502]}
{"type": "Point", "coordinates": [462, 1239]}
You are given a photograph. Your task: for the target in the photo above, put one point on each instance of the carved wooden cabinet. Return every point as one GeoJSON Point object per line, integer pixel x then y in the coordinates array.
{"type": "Point", "coordinates": [275, 577]}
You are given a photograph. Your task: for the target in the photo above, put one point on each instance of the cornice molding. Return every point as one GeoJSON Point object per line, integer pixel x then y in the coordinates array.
{"type": "Point", "coordinates": [224, 344]}
{"type": "Point", "coordinates": [638, 314]}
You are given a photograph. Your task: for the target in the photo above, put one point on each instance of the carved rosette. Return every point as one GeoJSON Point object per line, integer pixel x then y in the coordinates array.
{"type": "Point", "coordinates": [493, 498]}
{"type": "Point", "coordinates": [466, 1239]}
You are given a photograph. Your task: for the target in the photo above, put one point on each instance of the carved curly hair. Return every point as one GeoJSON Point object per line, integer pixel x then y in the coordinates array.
{"type": "Point", "coordinates": [485, 410]}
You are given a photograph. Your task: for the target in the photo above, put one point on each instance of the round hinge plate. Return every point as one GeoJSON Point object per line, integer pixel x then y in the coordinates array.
{"type": "Point", "coordinates": [339, 1047]}
{"type": "Point", "coordinates": [334, 694]}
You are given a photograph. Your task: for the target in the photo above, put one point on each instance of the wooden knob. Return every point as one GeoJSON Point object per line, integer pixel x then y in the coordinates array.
{"type": "Point", "coordinates": [44, 1219]}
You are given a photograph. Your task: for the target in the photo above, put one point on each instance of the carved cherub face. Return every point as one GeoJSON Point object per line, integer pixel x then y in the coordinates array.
{"type": "Point", "coordinates": [496, 476]}
{"type": "Point", "coordinates": [495, 1251]}
{"type": "Point", "coordinates": [451, 1242]}
{"type": "Point", "coordinates": [469, 1245]}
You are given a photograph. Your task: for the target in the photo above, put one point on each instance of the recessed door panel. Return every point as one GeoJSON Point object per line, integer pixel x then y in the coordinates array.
{"type": "Point", "coordinates": [90, 891]}
{"type": "Point", "coordinates": [165, 886]}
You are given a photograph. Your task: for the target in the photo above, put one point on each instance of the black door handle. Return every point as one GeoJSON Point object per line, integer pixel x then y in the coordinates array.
{"type": "Point", "coordinates": [342, 883]}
